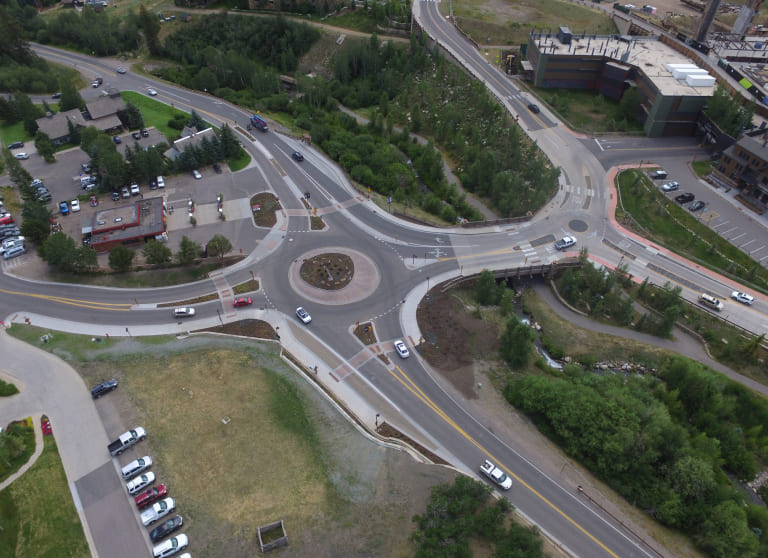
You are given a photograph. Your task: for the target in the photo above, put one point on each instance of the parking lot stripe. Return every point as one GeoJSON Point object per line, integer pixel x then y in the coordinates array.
{"type": "Point", "coordinates": [737, 237]}
{"type": "Point", "coordinates": [721, 224]}
{"type": "Point", "coordinates": [747, 243]}
{"type": "Point", "coordinates": [729, 230]}
{"type": "Point", "coordinates": [757, 249]}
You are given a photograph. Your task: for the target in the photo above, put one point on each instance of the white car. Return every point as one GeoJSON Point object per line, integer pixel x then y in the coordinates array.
{"type": "Point", "coordinates": [158, 511]}
{"type": "Point", "coordinates": [183, 312]}
{"type": "Point", "coordinates": [135, 189]}
{"type": "Point", "coordinates": [671, 186]}
{"type": "Point", "coordinates": [152, 92]}
{"type": "Point", "coordinates": [196, 174]}
{"type": "Point", "coordinates": [160, 182]}
{"type": "Point", "coordinates": [22, 155]}
{"type": "Point", "coordinates": [401, 349]}
{"type": "Point", "coordinates": [744, 298]}
{"type": "Point", "coordinates": [9, 246]}
{"type": "Point", "coordinates": [171, 547]}
{"type": "Point", "coordinates": [74, 206]}
{"type": "Point", "coordinates": [139, 483]}
{"type": "Point", "coordinates": [565, 242]}
{"type": "Point", "coordinates": [303, 315]}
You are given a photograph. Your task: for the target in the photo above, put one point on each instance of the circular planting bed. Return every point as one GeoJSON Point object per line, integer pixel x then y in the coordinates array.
{"type": "Point", "coordinates": [330, 271]}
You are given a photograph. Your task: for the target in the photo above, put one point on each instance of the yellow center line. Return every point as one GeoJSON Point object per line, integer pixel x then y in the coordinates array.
{"type": "Point", "coordinates": [116, 307]}
{"type": "Point", "coordinates": [411, 386]}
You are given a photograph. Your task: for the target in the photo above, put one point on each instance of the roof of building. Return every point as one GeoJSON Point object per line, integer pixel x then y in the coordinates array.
{"type": "Point", "coordinates": [646, 53]}
{"type": "Point", "coordinates": [106, 123]}
{"type": "Point", "coordinates": [138, 219]}
{"type": "Point", "coordinates": [104, 106]}
{"type": "Point", "coordinates": [755, 145]}
{"type": "Point", "coordinates": [194, 138]}
{"type": "Point", "coordinates": [55, 125]}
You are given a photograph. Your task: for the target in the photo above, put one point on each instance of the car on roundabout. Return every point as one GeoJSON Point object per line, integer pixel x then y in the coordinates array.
{"type": "Point", "coordinates": [401, 349]}
{"type": "Point", "coordinates": [565, 242]}
{"type": "Point", "coordinates": [742, 297]}
{"type": "Point", "coordinates": [303, 315]}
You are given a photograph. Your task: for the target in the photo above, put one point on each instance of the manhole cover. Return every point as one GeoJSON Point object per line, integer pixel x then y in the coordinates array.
{"type": "Point", "coordinates": [577, 225]}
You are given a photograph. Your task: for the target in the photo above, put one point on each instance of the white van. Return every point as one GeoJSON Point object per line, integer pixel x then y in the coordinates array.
{"type": "Point", "coordinates": [136, 466]}
{"type": "Point", "coordinates": [183, 312]}
{"type": "Point", "coordinates": [710, 301]}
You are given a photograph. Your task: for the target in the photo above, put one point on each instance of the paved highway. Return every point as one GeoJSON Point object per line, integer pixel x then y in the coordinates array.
{"type": "Point", "coordinates": [405, 256]}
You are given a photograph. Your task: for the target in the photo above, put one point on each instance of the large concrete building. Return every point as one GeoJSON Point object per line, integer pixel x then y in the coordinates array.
{"type": "Point", "coordinates": [670, 98]}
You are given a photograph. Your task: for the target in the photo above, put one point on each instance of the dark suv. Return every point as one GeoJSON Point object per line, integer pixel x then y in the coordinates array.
{"type": "Point", "coordinates": [685, 198]}
{"type": "Point", "coordinates": [103, 388]}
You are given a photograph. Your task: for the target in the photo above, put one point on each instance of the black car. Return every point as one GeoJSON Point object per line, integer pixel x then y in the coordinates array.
{"type": "Point", "coordinates": [103, 388]}
{"type": "Point", "coordinates": [153, 184]}
{"type": "Point", "coordinates": [685, 198]}
{"type": "Point", "coordinates": [217, 168]}
{"type": "Point", "coordinates": [144, 133]}
{"type": "Point", "coordinates": [136, 135]}
{"type": "Point", "coordinates": [115, 196]}
{"type": "Point", "coordinates": [56, 96]}
{"type": "Point", "coordinates": [166, 528]}
{"type": "Point", "coordinates": [16, 145]}
{"type": "Point", "coordinates": [297, 155]}
{"type": "Point", "coordinates": [696, 206]}
{"type": "Point", "coordinates": [534, 108]}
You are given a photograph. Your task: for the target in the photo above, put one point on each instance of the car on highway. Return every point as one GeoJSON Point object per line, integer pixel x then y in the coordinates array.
{"type": "Point", "coordinates": [150, 496]}
{"type": "Point", "coordinates": [16, 145]}
{"type": "Point", "coordinates": [22, 156]}
{"type": "Point", "coordinates": [97, 82]}
{"type": "Point", "coordinates": [121, 70]}
{"type": "Point", "coordinates": [140, 483]}
{"type": "Point", "coordinates": [103, 388]}
{"type": "Point", "coordinates": [64, 208]}
{"type": "Point", "coordinates": [183, 312]}
{"type": "Point", "coordinates": [565, 242]}
{"type": "Point", "coordinates": [685, 198]}
{"type": "Point", "coordinates": [158, 511]}
{"type": "Point", "coordinates": [297, 156]}
{"type": "Point", "coordinates": [196, 174]}
{"type": "Point", "coordinates": [242, 301]}
{"type": "Point", "coordinates": [303, 315]}
{"type": "Point", "coordinates": [171, 546]}
{"type": "Point", "coordinates": [152, 92]}
{"type": "Point", "coordinates": [742, 297]}
{"type": "Point", "coordinates": [534, 108]}
{"type": "Point", "coordinates": [401, 349]}
{"type": "Point", "coordinates": [696, 206]}
{"type": "Point", "coordinates": [671, 186]}
{"type": "Point", "coordinates": [75, 206]}
{"type": "Point", "coordinates": [166, 528]}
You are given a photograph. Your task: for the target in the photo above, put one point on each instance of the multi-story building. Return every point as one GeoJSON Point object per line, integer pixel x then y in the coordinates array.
{"type": "Point", "coordinates": [745, 165]}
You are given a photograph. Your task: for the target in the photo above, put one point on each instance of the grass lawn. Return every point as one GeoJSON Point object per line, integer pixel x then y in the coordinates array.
{"type": "Point", "coordinates": [14, 132]}
{"type": "Point", "coordinates": [660, 219]}
{"type": "Point", "coordinates": [28, 437]}
{"type": "Point", "coordinates": [155, 113]}
{"type": "Point", "coordinates": [510, 23]}
{"type": "Point", "coordinates": [39, 519]}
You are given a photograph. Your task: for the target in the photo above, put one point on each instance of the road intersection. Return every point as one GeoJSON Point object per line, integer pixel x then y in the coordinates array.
{"type": "Point", "coordinates": [406, 260]}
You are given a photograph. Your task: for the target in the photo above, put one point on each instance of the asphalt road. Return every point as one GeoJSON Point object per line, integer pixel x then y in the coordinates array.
{"type": "Point", "coordinates": [580, 208]}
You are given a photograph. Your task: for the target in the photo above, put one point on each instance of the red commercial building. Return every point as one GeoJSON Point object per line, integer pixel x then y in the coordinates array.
{"type": "Point", "coordinates": [132, 224]}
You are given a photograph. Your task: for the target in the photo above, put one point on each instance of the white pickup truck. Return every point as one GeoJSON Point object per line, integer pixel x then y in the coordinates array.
{"type": "Point", "coordinates": [496, 475]}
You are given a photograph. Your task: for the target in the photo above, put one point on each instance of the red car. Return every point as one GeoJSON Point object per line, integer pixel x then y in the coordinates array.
{"type": "Point", "coordinates": [94, 201]}
{"type": "Point", "coordinates": [243, 301]}
{"type": "Point", "coordinates": [151, 496]}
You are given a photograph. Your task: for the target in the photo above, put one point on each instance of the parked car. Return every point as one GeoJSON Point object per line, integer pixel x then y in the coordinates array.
{"type": "Point", "coordinates": [166, 528]}
{"type": "Point", "coordinates": [64, 208]}
{"type": "Point", "coordinates": [86, 167]}
{"type": "Point", "coordinates": [144, 133]}
{"type": "Point", "coordinates": [94, 201]}
{"type": "Point", "coordinates": [217, 168]}
{"type": "Point", "coordinates": [6, 220]}
{"type": "Point", "coordinates": [160, 182]}
{"type": "Point", "coordinates": [196, 174]}
{"type": "Point", "coordinates": [22, 156]}
{"type": "Point", "coordinates": [744, 298]}
{"type": "Point", "coordinates": [303, 315]}
{"type": "Point", "coordinates": [75, 206]}
{"type": "Point", "coordinates": [671, 186]}
{"type": "Point", "coordinates": [136, 135]}
{"type": "Point", "coordinates": [171, 546]}
{"type": "Point", "coordinates": [135, 189]}
{"type": "Point", "coordinates": [103, 388]}
{"type": "Point", "coordinates": [115, 196]}
{"type": "Point", "coordinates": [158, 511]}
{"type": "Point", "coordinates": [297, 156]}
{"type": "Point", "coordinates": [16, 145]}
{"type": "Point", "coordinates": [152, 92]}
{"type": "Point", "coordinates": [153, 184]}
{"type": "Point", "coordinates": [696, 206]}
{"type": "Point", "coordinates": [657, 174]}
{"type": "Point", "coordinates": [125, 192]}
{"type": "Point", "coordinates": [150, 496]}
{"type": "Point", "coordinates": [534, 108]}
{"type": "Point", "coordinates": [565, 242]}
{"type": "Point", "coordinates": [685, 198]}
{"type": "Point", "coordinates": [140, 483]}
{"type": "Point", "coordinates": [401, 349]}
{"type": "Point", "coordinates": [136, 466]}
{"type": "Point", "coordinates": [117, 139]}
{"type": "Point", "coordinates": [243, 301]}
{"type": "Point", "coordinates": [13, 252]}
